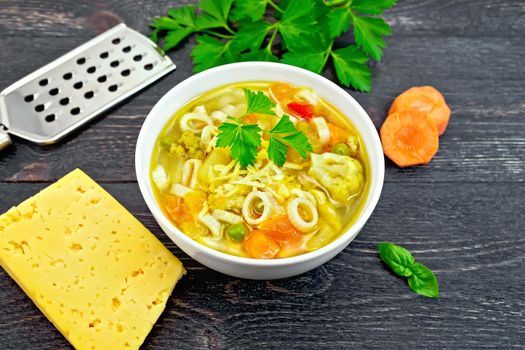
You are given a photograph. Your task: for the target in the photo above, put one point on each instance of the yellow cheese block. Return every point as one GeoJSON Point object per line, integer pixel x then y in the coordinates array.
{"type": "Point", "coordinates": [93, 269]}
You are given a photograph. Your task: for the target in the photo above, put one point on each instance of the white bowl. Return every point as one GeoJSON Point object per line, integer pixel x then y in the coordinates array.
{"type": "Point", "coordinates": [200, 83]}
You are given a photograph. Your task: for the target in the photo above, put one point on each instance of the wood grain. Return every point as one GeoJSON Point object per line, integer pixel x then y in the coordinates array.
{"type": "Point", "coordinates": [485, 140]}
{"type": "Point", "coordinates": [352, 301]}
{"type": "Point", "coordinates": [462, 215]}
{"type": "Point", "coordinates": [83, 18]}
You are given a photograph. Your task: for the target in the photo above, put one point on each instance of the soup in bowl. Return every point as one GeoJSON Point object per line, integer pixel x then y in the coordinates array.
{"type": "Point", "coordinates": [260, 175]}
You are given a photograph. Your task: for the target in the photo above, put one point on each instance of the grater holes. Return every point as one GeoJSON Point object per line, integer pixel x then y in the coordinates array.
{"type": "Point", "coordinates": [29, 98]}
{"type": "Point", "coordinates": [137, 58]}
{"type": "Point", "coordinates": [53, 91]}
{"type": "Point", "coordinates": [39, 108]}
{"type": "Point", "coordinates": [67, 76]}
{"type": "Point", "coordinates": [64, 101]}
{"type": "Point", "coordinates": [75, 111]}
{"type": "Point", "coordinates": [102, 79]}
{"type": "Point", "coordinates": [115, 41]}
{"type": "Point", "coordinates": [114, 64]}
{"type": "Point", "coordinates": [125, 72]}
{"type": "Point", "coordinates": [50, 118]}
{"type": "Point", "coordinates": [43, 82]}
{"type": "Point", "coordinates": [148, 66]}
{"type": "Point", "coordinates": [78, 85]}
{"type": "Point", "coordinates": [89, 94]}
{"type": "Point", "coordinates": [113, 88]}
{"type": "Point", "coordinates": [91, 69]}
{"type": "Point", "coordinates": [126, 49]}
{"type": "Point", "coordinates": [81, 61]}
{"type": "Point", "coordinates": [104, 55]}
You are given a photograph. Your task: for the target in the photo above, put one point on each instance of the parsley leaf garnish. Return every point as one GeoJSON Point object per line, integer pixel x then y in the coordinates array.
{"type": "Point", "coordinates": [369, 33]}
{"type": "Point", "coordinates": [260, 55]}
{"type": "Point", "coordinates": [285, 135]}
{"type": "Point", "coordinates": [338, 21]}
{"type": "Point", "coordinates": [251, 35]}
{"type": "Point", "coordinates": [210, 52]}
{"type": "Point", "coordinates": [375, 7]}
{"type": "Point", "coordinates": [297, 21]}
{"type": "Point", "coordinates": [258, 102]}
{"type": "Point", "coordinates": [184, 15]}
{"type": "Point", "coordinates": [244, 139]}
{"type": "Point", "coordinates": [303, 33]}
{"type": "Point", "coordinates": [218, 9]}
{"type": "Point", "coordinates": [313, 56]}
{"type": "Point", "coordinates": [351, 68]}
{"type": "Point", "coordinates": [253, 9]}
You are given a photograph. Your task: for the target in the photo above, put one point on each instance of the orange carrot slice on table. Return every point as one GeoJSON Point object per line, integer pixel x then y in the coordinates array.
{"type": "Point", "coordinates": [259, 246]}
{"type": "Point", "coordinates": [424, 99]}
{"type": "Point", "coordinates": [409, 138]}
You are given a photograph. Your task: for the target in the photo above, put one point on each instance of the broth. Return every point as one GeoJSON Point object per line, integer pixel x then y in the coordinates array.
{"type": "Point", "coordinates": [262, 211]}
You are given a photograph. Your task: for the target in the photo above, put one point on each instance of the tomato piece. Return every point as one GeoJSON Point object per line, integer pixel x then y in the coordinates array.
{"type": "Point", "coordinates": [280, 229]}
{"type": "Point", "coordinates": [260, 246]}
{"type": "Point", "coordinates": [303, 110]}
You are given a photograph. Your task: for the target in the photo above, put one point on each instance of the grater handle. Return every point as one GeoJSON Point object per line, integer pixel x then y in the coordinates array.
{"type": "Point", "coordinates": [5, 140]}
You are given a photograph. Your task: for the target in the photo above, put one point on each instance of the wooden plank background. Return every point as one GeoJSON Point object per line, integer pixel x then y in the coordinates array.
{"type": "Point", "coordinates": [462, 215]}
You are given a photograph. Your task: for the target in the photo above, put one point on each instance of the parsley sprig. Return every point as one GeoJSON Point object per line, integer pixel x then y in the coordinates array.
{"type": "Point", "coordinates": [245, 139]}
{"type": "Point", "coordinates": [303, 33]}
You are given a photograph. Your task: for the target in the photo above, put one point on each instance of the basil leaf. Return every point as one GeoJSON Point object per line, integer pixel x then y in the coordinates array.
{"type": "Point", "coordinates": [397, 258]}
{"type": "Point", "coordinates": [423, 281]}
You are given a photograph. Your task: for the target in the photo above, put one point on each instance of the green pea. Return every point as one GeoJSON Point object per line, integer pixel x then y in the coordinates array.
{"type": "Point", "coordinates": [341, 149]}
{"type": "Point", "coordinates": [236, 232]}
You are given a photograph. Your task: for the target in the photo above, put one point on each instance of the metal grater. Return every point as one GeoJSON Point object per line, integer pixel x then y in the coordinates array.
{"type": "Point", "coordinates": [51, 102]}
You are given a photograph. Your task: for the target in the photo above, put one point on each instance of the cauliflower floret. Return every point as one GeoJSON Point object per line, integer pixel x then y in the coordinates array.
{"type": "Point", "coordinates": [342, 176]}
{"type": "Point", "coordinates": [188, 145]}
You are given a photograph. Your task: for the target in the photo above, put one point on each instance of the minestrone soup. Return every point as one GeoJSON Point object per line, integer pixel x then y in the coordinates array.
{"type": "Point", "coordinates": [260, 169]}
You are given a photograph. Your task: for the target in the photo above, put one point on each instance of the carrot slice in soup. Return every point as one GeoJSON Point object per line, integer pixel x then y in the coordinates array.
{"type": "Point", "coordinates": [177, 210]}
{"type": "Point", "coordinates": [260, 246]}
{"type": "Point", "coordinates": [250, 118]}
{"type": "Point", "coordinates": [424, 99]}
{"type": "Point", "coordinates": [337, 134]}
{"type": "Point", "coordinates": [283, 92]}
{"type": "Point", "coordinates": [409, 138]}
{"type": "Point", "coordinates": [194, 201]}
{"type": "Point", "coordinates": [280, 229]}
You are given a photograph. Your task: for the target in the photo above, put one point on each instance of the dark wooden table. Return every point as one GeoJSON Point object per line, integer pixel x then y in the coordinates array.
{"type": "Point", "coordinates": [463, 215]}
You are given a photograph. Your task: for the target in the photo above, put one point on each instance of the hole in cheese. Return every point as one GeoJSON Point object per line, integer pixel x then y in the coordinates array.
{"type": "Point", "coordinates": [137, 272]}
{"type": "Point", "coordinates": [94, 323]}
{"type": "Point", "coordinates": [75, 247]}
{"type": "Point", "coordinates": [115, 303]}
